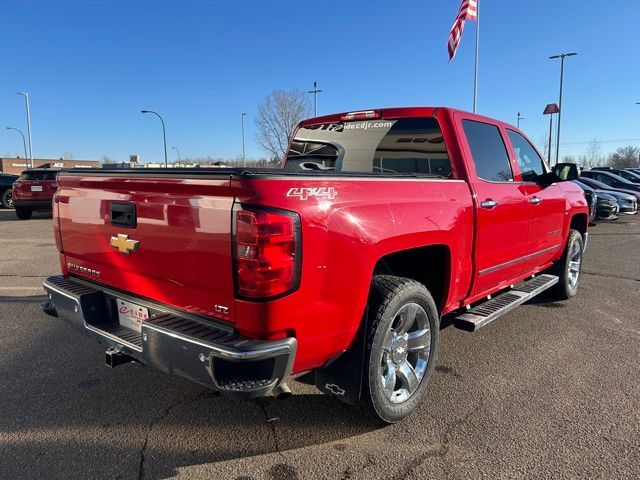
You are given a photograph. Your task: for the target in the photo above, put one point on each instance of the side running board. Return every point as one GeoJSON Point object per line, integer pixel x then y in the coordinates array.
{"type": "Point", "coordinates": [488, 311]}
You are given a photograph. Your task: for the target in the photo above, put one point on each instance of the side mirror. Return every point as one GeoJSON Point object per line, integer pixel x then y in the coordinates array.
{"type": "Point", "coordinates": [566, 171]}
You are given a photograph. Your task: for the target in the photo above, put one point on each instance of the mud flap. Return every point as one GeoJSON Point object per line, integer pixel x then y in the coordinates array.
{"type": "Point", "coordinates": [342, 378]}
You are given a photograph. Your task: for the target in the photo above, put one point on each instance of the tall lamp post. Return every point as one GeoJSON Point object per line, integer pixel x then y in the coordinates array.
{"type": "Point", "coordinates": [164, 135]}
{"type": "Point", "coordinates": [176, 149]}
{"type": "Point", "coordinates": [243, 157]}
{"type": "Point", "coordinates": [315, 92]}
{"type": "Point", "coordinates": [26, 99]}
{"type": "Point", "coordinates": [520, 117]}
{"type": "Point", "coordinates": [561, 56]}
{"type": "Point", "coordinates": [24, 143]}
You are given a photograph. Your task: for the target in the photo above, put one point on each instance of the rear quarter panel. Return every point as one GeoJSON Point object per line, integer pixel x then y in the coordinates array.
{"type": "Point", "coordinates": [346, 229]}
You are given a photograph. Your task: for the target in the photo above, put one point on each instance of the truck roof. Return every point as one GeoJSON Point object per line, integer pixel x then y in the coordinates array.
{"type": "Point", "coordinates": [399, 112]}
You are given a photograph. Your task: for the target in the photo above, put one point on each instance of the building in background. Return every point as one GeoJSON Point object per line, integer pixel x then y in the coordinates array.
{"type": "Point", "coordinates": [18, 165]}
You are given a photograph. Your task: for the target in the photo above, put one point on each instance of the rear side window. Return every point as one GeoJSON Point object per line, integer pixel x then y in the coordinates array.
{"type": "Point", "coordinates": [529, 162]}
{"type": "Point", "coordinates": [488, 151]}
{"type": "Point", "coordinates": [385, 147]}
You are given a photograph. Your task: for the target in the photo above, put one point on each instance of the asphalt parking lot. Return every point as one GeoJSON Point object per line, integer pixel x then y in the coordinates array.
{"type": "Point", "coordinates": [550, 391]}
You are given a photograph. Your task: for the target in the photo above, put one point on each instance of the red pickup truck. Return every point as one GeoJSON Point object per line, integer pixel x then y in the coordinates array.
{"type": "Point", "coordinates": [341, 263]}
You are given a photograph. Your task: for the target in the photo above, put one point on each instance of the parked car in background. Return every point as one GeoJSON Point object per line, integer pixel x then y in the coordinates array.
{"type": "Point", "coordinates": [599, 186]}
{"type": "Point", "coordinates": [592, 199]}
{"type": "Point", "coordinates": [6, 192]}
{"type": "Point", "coordinates": [611, 179]}
{"type": "Point", "coordinates": [632, 176]}
{"type": "Point", "coordinates": [34, 190]}
{"type": "Point", "coordinates": [607, 207]}
{"type": "Point", "coordinates": [627, 201]}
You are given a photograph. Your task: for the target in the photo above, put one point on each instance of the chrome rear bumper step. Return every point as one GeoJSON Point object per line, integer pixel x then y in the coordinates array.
{"type": "Point", "coordinates": [488, 311]}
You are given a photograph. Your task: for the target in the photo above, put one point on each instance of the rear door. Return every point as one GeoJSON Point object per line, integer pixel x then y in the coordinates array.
{"type": "Point", "coordinates": [546, 204]}
{"type": "Point", "coordinates": [502, 222]}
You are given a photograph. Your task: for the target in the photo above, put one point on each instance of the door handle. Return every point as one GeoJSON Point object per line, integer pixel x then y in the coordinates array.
{"type": "Point", "coordinates": [535, 200]}
{"type": "Point", "coordinates": [488, 203]}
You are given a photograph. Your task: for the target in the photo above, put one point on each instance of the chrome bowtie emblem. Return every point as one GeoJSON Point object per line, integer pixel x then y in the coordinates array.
{"type": "Point", "coordinates": [124, 244]}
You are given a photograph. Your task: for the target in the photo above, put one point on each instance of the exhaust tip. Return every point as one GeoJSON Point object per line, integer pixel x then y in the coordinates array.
{"type": "Point", "coordinates": [282, 391]}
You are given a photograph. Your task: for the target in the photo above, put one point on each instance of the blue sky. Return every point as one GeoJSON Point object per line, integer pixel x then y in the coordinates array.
{"type": "Point", "coordinates": [90, 66]}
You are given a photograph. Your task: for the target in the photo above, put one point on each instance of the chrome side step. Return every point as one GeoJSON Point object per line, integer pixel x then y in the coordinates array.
{"type": "Point", "coordinates": [488, 311]}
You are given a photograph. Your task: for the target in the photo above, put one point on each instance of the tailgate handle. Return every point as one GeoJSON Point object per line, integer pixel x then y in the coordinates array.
{"type": "Point", "coordinates": [123, 214]}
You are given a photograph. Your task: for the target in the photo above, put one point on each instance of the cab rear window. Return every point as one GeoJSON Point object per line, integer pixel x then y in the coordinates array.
{"type": "Point", "coordinates": [385, 147]}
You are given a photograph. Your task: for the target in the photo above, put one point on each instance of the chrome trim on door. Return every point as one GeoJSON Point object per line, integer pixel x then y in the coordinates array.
{"type": "Point", "coordinates": [517, 260]}
{"type": "Point", "coordinates": [535, 200]}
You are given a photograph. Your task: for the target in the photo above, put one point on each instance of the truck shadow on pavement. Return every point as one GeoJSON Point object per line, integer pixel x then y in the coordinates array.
{"type": "Point", "coordinates": [62, 406]}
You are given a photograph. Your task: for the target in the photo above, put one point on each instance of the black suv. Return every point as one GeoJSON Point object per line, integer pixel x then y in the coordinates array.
{"type": "Point", "coordinates": [6, 184]}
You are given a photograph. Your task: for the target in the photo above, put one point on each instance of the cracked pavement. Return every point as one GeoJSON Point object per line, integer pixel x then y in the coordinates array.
{"type": "Point", "coordinates": [549, 391]}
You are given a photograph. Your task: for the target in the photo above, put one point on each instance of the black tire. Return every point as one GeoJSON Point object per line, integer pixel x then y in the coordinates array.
{"type": "Point", "coordinates": [565, 268]}
{"type": "Point", "coordinates": [23, 213]}
{"type": "Point", "coordinates": [6, 198]}
{"type": "Point", "coordinates": [391, 296]}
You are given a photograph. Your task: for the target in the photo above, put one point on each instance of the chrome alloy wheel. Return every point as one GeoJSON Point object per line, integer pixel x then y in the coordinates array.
{"type": "Point", "coordinates": [405, 353]}
{"type": "Point", "coordinates": [575, 259]}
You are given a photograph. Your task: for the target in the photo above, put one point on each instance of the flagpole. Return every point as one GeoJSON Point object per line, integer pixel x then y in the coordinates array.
{"type": "Point", "coordinates": [475, 70]}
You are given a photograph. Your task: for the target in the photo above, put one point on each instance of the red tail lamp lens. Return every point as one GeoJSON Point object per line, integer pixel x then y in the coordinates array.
{"type": "Point", "coordinates": [267, 253]}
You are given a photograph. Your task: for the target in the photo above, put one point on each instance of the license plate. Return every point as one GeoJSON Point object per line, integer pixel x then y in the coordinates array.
{"type": "Point", "coordinates": [36, 188]}
{"type": "Point", "coordinates": [131, 315]}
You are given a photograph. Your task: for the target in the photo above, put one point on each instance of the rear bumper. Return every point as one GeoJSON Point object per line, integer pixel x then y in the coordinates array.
{"type": "Point", "coordinates": [189, 347]}
{"type": "Point", "coordinates": [33, 204]}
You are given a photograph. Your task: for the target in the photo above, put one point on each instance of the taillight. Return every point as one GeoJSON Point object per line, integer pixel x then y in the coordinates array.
{"type": "Point", "coordinates": [17, 184]}
{"type": "Point", "coordinates": [267, 252]}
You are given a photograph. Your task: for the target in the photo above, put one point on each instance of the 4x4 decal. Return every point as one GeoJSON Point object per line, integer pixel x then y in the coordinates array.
{"type": "Point", "coordinates": [304, 193]}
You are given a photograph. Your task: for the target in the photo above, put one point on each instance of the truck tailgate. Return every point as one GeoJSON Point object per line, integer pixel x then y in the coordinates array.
{"type": "Point", "coordinates": [182, 228]}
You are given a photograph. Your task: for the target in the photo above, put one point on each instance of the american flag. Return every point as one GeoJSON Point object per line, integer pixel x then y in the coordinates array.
{"type": "Point", "coordinates": [468, 11]}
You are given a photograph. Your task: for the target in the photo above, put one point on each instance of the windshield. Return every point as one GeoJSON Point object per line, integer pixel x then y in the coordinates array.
{"type": "Point", "coordinates": [632, 177]}
{"type": "Point", "coordinates": [404, 146]}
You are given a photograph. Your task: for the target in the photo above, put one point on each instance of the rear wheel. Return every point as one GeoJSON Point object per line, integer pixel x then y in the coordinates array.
{"type": "Point", "coordinates": [569, 267]}
{"type": "Point", "coordinates": [23, 213]}
{"type": "Point", "coordinates": [401, 348]}
{"type": "Point", "coordinates": [7, 198]}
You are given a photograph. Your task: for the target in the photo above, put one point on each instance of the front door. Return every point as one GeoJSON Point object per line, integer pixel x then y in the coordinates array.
{"type": "Point", "coordinates": [502, 226]}
{"type": "Point", "coordinates": [546, 205]}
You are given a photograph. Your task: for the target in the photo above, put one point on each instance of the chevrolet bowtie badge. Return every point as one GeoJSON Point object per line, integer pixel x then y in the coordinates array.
{"type": "Point", "coordinates": [124, 244]}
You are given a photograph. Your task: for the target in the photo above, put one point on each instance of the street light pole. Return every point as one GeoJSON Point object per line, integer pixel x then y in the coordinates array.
{"type": "Point", "coordinates": [243, 157]}
{"type": "Point", "coordinates": [315, 92]}
{"type": "Point", "coordinates": [24, 143]}
{"type": "Point", "coordinates": [179, 159]}
{"type": "Point", "coordinates": [26, 98]}
{"type": "Point", "coordinates": [561, 56]}
{"type": "Point", "coordinates": [520, 117]}
{"type": "Point", "coordinates": [164, 134]}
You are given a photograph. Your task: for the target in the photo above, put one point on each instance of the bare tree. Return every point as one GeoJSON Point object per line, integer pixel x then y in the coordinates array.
{"type": "Point", "coordinates": [278, 115]}
{"type": "Point", "coordinates": [593, 156]}
{"type": "Point", "coordinates": [543, 145]}
{"type": "Point", "coordinates": [67, 156]}
{"type": "Point", "coordinates": [625, 157]}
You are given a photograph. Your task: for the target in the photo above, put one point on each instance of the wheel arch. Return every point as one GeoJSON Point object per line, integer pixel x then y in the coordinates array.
{"type": "Point", "coordinates": [428, 264]}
